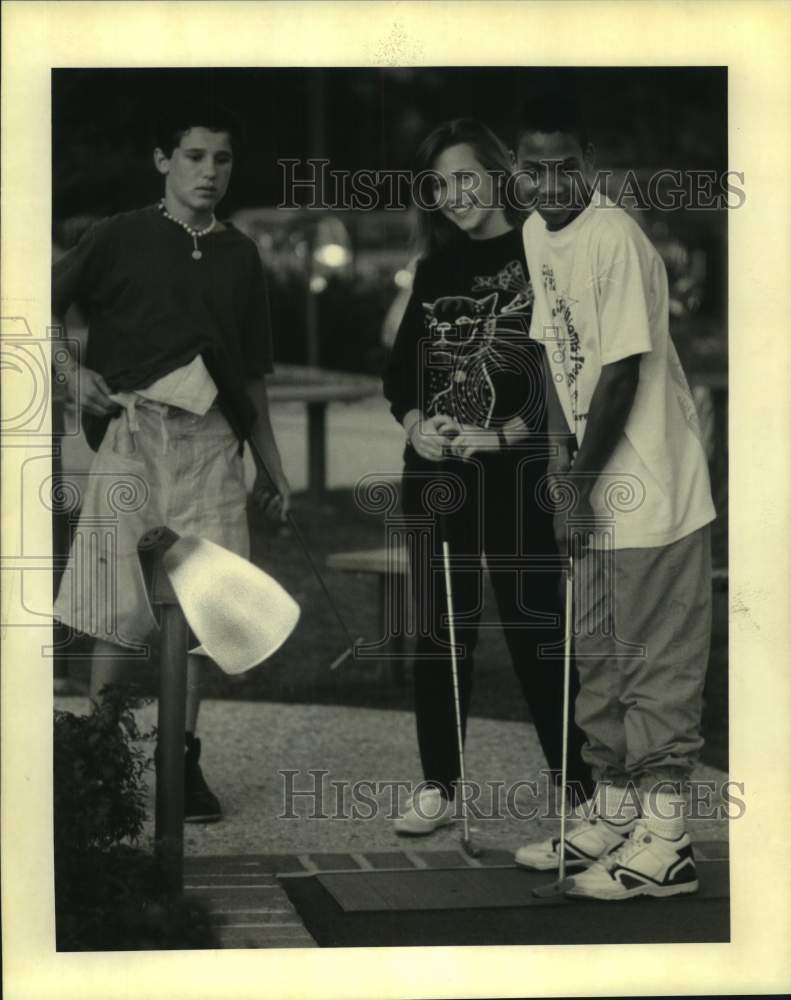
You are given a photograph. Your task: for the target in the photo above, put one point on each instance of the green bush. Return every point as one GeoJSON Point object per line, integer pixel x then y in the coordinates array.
{"type": "Point", "coordinates": [108, 893]}
{"type": "Point", "coordinates": [98, 779]}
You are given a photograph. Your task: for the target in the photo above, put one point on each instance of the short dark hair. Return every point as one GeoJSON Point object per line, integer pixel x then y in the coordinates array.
{"type": "Point", "coordinates": [434, 231]}
{"type": "Point", "coordinates": [177, 118]}
{"type": "Point", "coordinates": [555, 112]}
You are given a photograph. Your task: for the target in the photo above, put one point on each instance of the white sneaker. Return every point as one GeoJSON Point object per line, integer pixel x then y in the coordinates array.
{"type": "Point", "coordinates": [645, 865]}
{"type": "Point", "coordinates": [426, 812]}
{"type": "Point", "coordinates": [587, 840]}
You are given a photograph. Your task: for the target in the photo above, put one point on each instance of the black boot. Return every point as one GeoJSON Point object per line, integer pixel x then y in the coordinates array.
{"type": "Point", "coordinates": [200, 803]}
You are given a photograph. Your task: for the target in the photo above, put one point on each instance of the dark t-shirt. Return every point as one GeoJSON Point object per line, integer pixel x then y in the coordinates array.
{"type": "Point", "coordinates": [151, 307]}
{"type": "Point", "coordinates": [463, 347]}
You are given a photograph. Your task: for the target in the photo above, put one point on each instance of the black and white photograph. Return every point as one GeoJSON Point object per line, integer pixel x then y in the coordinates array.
{"type": "Point", "coordinates": [382, 428]}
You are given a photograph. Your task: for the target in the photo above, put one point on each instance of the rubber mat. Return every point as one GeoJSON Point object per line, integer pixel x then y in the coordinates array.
{"type": "Point", "coordinates": [495, 906]}
{"type": "Point", "coordinates": [451, 889]}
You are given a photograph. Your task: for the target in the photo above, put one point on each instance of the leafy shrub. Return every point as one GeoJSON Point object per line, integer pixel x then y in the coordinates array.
{"type": "Point", "coordinates": [98, 779]}
{"type": "Point", "coordinates": [108, 894]}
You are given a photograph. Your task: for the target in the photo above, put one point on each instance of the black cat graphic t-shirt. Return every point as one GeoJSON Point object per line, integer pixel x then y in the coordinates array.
{"type": "Point", "coordinates": [463, 347]}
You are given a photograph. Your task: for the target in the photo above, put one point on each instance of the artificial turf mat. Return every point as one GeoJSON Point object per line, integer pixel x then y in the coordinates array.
{"type": "Point", "coordinates": [488, 906]}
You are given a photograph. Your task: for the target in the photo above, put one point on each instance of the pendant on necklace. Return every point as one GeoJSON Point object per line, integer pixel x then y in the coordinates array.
{"type": "Point", "coordinates": [196, 255]}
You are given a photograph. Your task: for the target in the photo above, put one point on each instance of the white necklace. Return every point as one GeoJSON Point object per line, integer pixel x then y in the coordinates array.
{"type": "Point", "coordinates": [194, 233]}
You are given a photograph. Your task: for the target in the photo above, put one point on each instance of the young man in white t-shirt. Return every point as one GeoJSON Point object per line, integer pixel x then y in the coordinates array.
{"type": "Point", "coordinates": [629, 435]}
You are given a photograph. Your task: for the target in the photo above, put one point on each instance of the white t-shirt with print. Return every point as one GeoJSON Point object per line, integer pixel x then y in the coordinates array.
{"type": "Point", "coordinates": [600, 296]}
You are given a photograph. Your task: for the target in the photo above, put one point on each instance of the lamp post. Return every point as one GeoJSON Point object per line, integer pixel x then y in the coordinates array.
{"type": "Point", "coordinates": [171, 710]}
{"type": "Point", "coordinates": [303, 248]}
{"type": "Point", "coordinates": [238, 614]}
{"type": "Point", "coordinates": [327, 251]}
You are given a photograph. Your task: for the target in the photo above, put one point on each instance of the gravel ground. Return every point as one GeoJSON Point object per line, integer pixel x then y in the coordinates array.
{"type": "Point", "coordinates": [247, 744]}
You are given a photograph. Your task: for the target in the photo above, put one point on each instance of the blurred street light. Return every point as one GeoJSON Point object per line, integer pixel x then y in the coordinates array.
{"type": "Point", "coordinates": [311, 245]}
{"type": "Point", "coordinates": [332, 249]}
{"type": "Point", "coordinates": [328, 253]}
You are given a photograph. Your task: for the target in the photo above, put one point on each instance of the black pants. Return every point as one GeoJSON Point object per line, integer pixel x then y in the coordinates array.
{"type": "Point", "coordinates": [489, 507]}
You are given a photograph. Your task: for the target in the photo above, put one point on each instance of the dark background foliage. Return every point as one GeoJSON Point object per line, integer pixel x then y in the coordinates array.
{"type": "Point", "coordinates": [641, 117]}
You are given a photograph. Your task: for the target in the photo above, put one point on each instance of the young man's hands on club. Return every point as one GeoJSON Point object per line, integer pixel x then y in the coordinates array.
{"type": "Point", "coordinates": [271, 490]}
{"type": "Point", "coordinates": [605, 425]}
{"type": "Point", "coordinates": [578, 524]}
{"type": "Point", "coordinates": [561, 484]}
{"type": "Point", "coordinates": [273, 498]}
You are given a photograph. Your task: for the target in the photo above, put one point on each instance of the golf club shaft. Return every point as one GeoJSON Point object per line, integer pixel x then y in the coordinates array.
{"type": "Point", "coordinates": [455, 674]}
{"type": "Point", "coordinates": [566, 686]}
{"type": "Point", "coordinates": [259, 459]}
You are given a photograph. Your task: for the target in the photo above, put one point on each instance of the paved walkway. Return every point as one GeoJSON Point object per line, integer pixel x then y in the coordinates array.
{"type": "Point", "coordinates": [246, 904]}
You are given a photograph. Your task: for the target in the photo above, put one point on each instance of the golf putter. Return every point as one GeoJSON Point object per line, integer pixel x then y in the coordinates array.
{"type": "Point", "coordinates": [466, 843]}
{"type": "Point", "coordinates": [561, 884]}
{"type": "Point", "coordinates": [353, 642]}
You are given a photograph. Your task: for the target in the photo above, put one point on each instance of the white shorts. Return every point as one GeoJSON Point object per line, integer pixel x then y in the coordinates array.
{"type": "Point", "coordinates": [176, 469]}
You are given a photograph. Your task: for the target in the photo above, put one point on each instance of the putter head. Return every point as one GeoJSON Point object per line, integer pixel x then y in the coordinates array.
{"type": "Point", "coordinates": [470, 849]}
{"type": "Point", "coordinates": [556, 888]}
{"type": "Point", "coordinates": [239, 614]}
{"type": "Point", "coordinates": [344, 656]}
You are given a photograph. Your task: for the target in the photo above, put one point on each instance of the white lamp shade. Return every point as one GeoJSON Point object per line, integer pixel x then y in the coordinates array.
{"type": "Point", "coordinates": [239, 614]}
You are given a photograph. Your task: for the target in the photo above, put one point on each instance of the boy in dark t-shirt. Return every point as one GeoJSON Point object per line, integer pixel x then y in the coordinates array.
{"type": "Point", "coordinates": [171, 385]}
